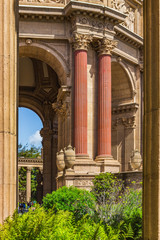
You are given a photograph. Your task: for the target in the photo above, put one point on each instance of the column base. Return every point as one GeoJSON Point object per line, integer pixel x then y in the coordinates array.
{"type": "Point", "coordinates": [108, 163]}
{"type": "Point", "coordinates": [84, 165]}
{"type": "Point", "coordinates": [82, 156]}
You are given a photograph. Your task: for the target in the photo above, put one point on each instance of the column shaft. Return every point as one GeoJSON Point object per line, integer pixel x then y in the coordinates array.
{"type": "Point", "coordinates": [47, 164]}
{"type": "Point", "coordinates": [28, 187]}
{"type": "Point", "coordinates": [104, 102]}
{"type": "Point", "coordinates": [8, 108]}
{"type": "Point", "coordinates": [81, 102]}
{"type": "Point", "coordinates": [151, 137]}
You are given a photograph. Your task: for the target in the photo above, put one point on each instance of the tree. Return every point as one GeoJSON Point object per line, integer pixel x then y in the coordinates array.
{"type": "Point", "coordinates": [32, 152]}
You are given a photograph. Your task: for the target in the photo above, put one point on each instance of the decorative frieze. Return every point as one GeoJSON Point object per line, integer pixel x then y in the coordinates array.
{"type": "Point", "coordinates": [42, 1]}
{"type": "Point", "coordinates": [91, 22]}
{"type": "Point", "coordinates": [81, 41]}
{"type": "Point", "coordinates": [124, 7]}
{"type": "Point", "coordinates": [83, 183]}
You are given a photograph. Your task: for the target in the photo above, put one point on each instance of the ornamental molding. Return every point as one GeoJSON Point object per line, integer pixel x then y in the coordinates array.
{"type": "Point", "coordinates": [81, 41]}
{"type": "Point", "coordinates": [105, 46]}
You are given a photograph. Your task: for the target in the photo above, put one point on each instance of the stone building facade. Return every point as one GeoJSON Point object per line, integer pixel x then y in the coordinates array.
{"type": "Point", "coordinates": [74, 56]}
{"type": "Point", "coordinates": [81, 70]}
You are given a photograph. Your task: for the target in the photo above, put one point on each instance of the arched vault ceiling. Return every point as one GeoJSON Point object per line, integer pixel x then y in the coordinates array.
{"type": "Point", "coordinates": [37, 80]}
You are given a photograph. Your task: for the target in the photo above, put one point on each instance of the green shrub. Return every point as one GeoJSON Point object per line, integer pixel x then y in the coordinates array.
{"type": "Point", "coordinates": [41, 225]}
{"type": "Point", "coordinates": [118, 205]}
{"type": "Point", "coordinates": [107, 188]}
{"type": "Point", "coordinates": [74, 214]}
{"type": "Point", "coordinates": [71, 199]}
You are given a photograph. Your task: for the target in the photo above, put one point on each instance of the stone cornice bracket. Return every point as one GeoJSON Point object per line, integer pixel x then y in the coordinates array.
{"type": "Point", "coordinates": [141, 59]}
{"type": "Point", "coordinates": [127, 122]}
{"type": "Point", "coordinates": [46, 133]}
{"type": "Point", "coordinates": [105, 46]}
{"type": "Point", "coordinates": [61, 107]}
{"type": "Point", "coordinates": [81, 41]}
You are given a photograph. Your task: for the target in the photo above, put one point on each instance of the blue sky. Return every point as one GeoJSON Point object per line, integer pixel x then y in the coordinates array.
{"type": "Point", "coordinates": [29, 125]}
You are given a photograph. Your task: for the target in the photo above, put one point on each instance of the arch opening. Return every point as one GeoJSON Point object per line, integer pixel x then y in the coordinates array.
{"type": "Point", "coordinates": [30, 158]}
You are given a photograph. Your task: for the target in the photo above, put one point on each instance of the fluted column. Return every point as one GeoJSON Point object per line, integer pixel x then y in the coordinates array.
{"type": "Point", "coordinates": [81, 43]}
{"type": "Point", "coordinates": [8, 108]}
{"type": "Point", "coordinates": [28, 184]}
{"type": "Point", "coordinates": [105, 46]}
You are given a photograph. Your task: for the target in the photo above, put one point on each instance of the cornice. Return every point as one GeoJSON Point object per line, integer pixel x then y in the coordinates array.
{"type": "Point", "coordinates": [127, 36]}
{"type": "Point", "coordinates": [22, 160]}
{"type": "Point", "coordinates": [33, 12]}
{"type": "Point", "coordinates": [125, 108]}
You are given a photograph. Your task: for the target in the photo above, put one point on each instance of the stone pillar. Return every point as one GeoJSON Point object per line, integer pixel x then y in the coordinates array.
{"type": "Point", "coordinates": [105, 46]}
{"type": "Point", "coordinates": [47, 160]}
{"type": "Point", "coordinates": [151, 137]}
{"type": "Point", "coordinates": [8, 108]}
{"type": "Point", "coordinates": [81, 43]}
{"type": "Point", "coordinates": [28, 184]}
{"type": "Point", "coordinates": [39, 179]}
{"type": "Point", "coordinates": [104, 108]}
{"type": "Point", "coordinates": [47, 134]}
{"type": "Point", "coordinates": [104, 98]}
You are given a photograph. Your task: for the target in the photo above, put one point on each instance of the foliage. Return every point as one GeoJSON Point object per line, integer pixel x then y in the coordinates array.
{"type": "Point", "coordinates": [107, 188]}
{"type": "Point", "coordinates": [118, 205]}
{"type": "Point", "coordinates": [32, 152]}
{"type": "Point", "coordinates": [71, 213]}
{"type": "Point", "coordinates": [39, 224]}
{"type": "Point", "coordinates": [22, 179]}
{"type": "Point", "coordinates": [72, 199]}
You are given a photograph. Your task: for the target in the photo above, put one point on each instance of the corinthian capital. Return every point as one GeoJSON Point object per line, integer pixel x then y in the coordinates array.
{"type": "Point", "coordinates": [106, 46]}
{"type": "Point", "coordinates": [81, 41]}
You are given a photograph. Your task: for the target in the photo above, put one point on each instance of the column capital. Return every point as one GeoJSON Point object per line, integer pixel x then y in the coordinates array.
{"type": "Point", "coordinates": [81, 41]}
{"type": "Point", "coordinates": [105, 46]}
{"type": "Point", "coordinates": [29, 169]}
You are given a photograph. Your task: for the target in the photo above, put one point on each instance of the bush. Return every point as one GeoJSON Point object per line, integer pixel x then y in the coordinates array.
{"type": "Point", "coordinates": [107, 188]}
{"type": "Point", "coordinates": [41, 225]}
{"type": "Point", "coordinates": [74, 214]}
{"type": "Point", "coordinates": [72, 199]}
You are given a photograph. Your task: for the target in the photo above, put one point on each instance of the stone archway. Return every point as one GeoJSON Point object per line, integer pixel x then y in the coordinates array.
{"type": "Point", "coordinates": [48, 55]}
{"type": "Point", "coordinates": [38, 91]}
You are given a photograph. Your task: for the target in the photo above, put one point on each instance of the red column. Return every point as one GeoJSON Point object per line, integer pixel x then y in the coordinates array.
{"type": "Point", "coordinates": [81, 102]}
{"type": "Point", "coordinates": [104, 115]}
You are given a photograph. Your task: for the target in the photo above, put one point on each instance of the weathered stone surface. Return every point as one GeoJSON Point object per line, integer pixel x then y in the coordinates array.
{"type": "Point", "coordinates": [8, 108]}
